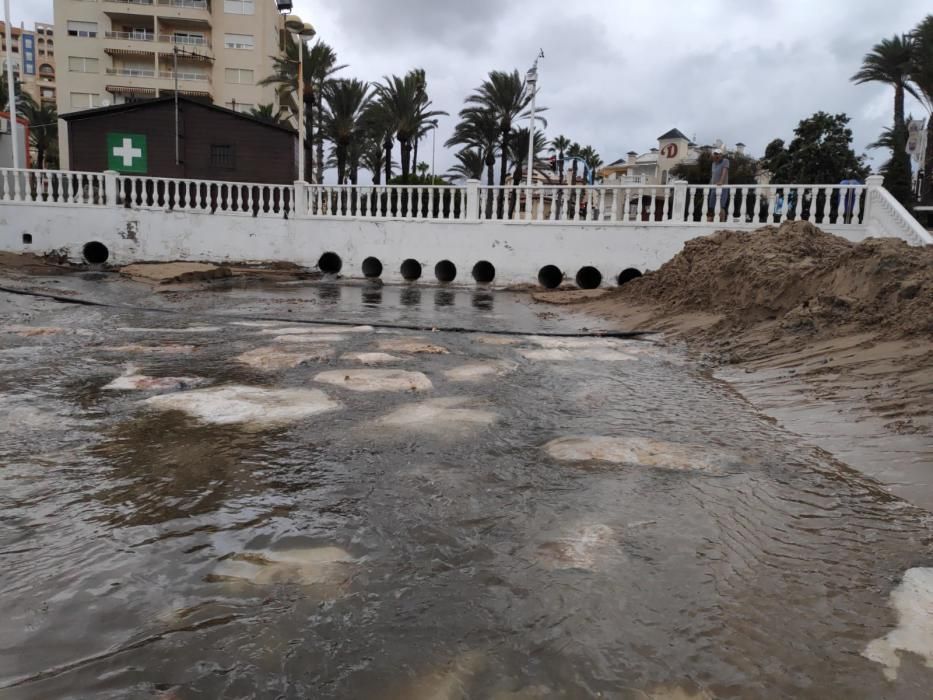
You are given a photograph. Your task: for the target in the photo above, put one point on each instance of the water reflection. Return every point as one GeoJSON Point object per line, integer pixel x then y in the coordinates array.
{"type": "Point", "coordinates": [410, 296]}
{"type": "Point", "coordinates": [372, 295]}
{"type": "Point", "coordinates": [483, 300]}
{"type": "Point", "coordinates": [329, 293]}
{"type": "Point", "coordinates": [444, 297]}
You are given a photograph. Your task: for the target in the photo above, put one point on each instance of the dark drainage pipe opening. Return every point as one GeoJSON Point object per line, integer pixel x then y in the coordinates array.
{"type": "Point", "coordinates": [96, 253]}
{"type": "Point", "coordinates": [330, 263]}
{"type": "Point", "coordinates": [445, 271]}
{"type": "Point", "coordinates": [484, 272]}
{"type": "Point", "coordinates": [27, 238]}
{"type": "Point", "coordinates": [372, 267]}
{"type": "Point", "coordinates": [627, 275]}
{"type": "Point", "coordinates": [589, 277]}
{"type": "Point", "coordinates": [411, 270]}
{"type": "Point", "coordinates": [550, 277]}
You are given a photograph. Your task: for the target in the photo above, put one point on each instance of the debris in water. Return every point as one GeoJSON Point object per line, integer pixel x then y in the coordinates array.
{"type": "Point", "coordinates": [309, 338]}
{"type": "Point", "coordinates": [188, 329]}
{"type": "Point", "coordinates": [634, 450]}
{"type": "Point", "coordinates": [579, 549]}
{"type": "Point", "coordinates": [478, 371]}
{"type": "Point", "coordinates": [445, 415]}
{"type": "Point", "coordinates": [376, 379]}
{"type": "Point", "coordinates": [496, 340]}
{"type": "Point", "coordinates": [913, 602]}
{"type": "Point", "coordinates": [566, 355]}
{"type": "Point", "coordinates": [371, 358]}
{"type": "Point", "coordinates": [416, 346]}
{"type": "Point", "coordinates": [272, 358]}
{"type": "Point", "coordinates": [30, 331]}
{"type": "Point", "coordinates": [246, 404]}
{"type": "Point", "coordinates": [167, 349]}
{"type": "Point", "coordinates": [131, 380]}
{"type": "Point", "coordinates": [305, 567]}
{"type": "Point", "coordinates": [319, 330]}
{"type": "Point", "coordinates": [445, 683]}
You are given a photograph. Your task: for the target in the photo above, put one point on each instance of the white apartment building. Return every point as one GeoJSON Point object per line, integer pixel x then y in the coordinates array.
{"type": "Point", "coordinates": [117, 51]}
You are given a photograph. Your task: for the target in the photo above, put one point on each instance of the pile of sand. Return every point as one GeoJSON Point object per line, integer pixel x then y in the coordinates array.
{"type": "Point", "coordinates": [799, 275]}
{"type": "Point", "coordinates": [174, 272]}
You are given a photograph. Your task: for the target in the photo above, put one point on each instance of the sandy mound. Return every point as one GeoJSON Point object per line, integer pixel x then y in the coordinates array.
{"type": "Point", "coordinates": [448, 416]}
{"type": "Point", "coordinates": [477, 371]}
{"type": "Point", "coordinates": [175, 272]}
{"type": "Point", "coordinates": [132, 380]}
{"type": "Point", "coordinates": [271, 358]}
{"type": "Point", "coordinates": [376, 379]}
{"type": "Point", "coordinates": [634, 450]}
{"type": "Point", "coordinates": [370, 358]}
{"type": "Point", "coordinates": [309, 566]}
{"type": "Point", "coordinates": [800, 274]}
{"type": "Point", "coordinates": [414, 346]}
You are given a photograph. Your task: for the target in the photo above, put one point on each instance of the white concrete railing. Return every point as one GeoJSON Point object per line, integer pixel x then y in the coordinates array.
{"type": "Point", "coordinates": [885, 213]}
{"type": "Point", "coordinates": [53, 187]}
{"type": "Point", "coordinates": [869, 207]}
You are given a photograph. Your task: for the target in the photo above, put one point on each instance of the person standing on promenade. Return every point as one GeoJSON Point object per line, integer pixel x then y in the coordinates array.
{"type": "Point", "coordinates": [718, 178]}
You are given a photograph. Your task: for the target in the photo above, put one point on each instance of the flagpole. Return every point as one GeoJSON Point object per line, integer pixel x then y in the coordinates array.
{"type": "Point", "coordinates": [11, 85]}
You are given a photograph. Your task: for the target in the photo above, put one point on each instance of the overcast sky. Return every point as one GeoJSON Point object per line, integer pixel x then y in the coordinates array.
{"type": "Point", "coordinates": [617, 74]}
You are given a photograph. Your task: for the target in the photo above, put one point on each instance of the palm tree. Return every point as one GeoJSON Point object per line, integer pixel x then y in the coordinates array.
{"type": "Point", "coordinates": [921, 74]}
{"type": "Point", "coordinates": [319, 64]}
{"type": "Point", "coordinates": [478, 130]}
{"type": "Point", "coordinates": [574, 151]}
{"type": "Point", "coordinates": [506, 96]}
{"type": "Point", "coordinates": [890, 62]}
{"type": "Point", "coordinates": [342, 121]}
{"type": "Point", "coordinates": [559, 146]}
{"type": "Point", "coordinates": [591, 160]}
{"type": "Point", "coordinates": [266, 113]}
{"type": "Point", "coordinates": [470, 164]}
{"type": "Point", "coordinates": [43, 130]}
{"type": "Point", "coordinates": [518, 152]}
{"type": "Point", "coordinates": [406, 106]}
{"type": "Point", "coordinates": [380, 126]}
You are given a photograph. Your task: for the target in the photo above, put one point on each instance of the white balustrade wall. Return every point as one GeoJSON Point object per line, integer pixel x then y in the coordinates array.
{"type": "Point", "coordinates": [513, 227]}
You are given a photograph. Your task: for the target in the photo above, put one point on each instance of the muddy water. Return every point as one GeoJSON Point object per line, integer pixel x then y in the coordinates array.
{"type": "Point", "coordinates": [422, 543]}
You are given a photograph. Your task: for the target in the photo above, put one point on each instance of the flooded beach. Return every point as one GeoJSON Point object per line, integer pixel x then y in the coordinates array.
{"type": "Point", "coordinates": [312, 489]}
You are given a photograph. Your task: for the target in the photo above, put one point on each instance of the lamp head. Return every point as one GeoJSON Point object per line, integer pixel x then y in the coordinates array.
{"type": "Point", "coordinates": [293, 23]}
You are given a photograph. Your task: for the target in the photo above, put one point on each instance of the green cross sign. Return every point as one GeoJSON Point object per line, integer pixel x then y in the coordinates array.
{"type": "Point", "coordinates": [127, 153]}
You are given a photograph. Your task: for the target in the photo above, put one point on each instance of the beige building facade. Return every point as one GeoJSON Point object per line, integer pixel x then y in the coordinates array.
{"type": "Point", "coordinates": [117, 51]}
{"type": "Point", "coordinates": [32, 53]}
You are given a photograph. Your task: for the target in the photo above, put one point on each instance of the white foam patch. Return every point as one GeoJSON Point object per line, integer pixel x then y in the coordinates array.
{"type": "Point", "coordinates": [574, 342]}
{"type": "Point", "coordinates": [371, 358]}
{"type": "Point", "coordinates": [256, 324]}
{"type": "Point", "coordinates": [478, 371]}
{"type": "Point", "coordinates": [32, 331]}
{"type": "Point", "coordinates": [564, 355]}
{"type": "Point", "coordinates": [271, 358]}
{"type": "Point", "coordinates": [635, 450]}
{"type": "Point", "coordinates": [316, 330]}
{"type": "Point", "coordinates": [309, 338]}
{"type": "Point", "coordinates": [307, 566]}
{"type": "Point", "coordinates": [131, 380]}
{"type": "Point", "coordinates": [376, 380]}
{"type": "Point", "coordinates": [415, 346]}
{"type": "Point", "coordinates": [446, 416]}
{"type": "Point", "coordinates": [188, 329]}
{"type": "Point", "coordinates": [246, 404]}
{"type": "Point", "coordinates": [168, 349]}
{"type": "Point", "coordinates": [912, 600]}
{"type": "Point", "coordinates": [579, 548]}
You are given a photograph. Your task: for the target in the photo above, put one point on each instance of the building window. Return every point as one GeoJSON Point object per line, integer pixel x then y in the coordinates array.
{"type": "Point", "coordinates": [239, 41]}
{"type": "Point", "coordinates": [78, 64]}
{"type": "Point", "coordinates": [238, 7]}
{"type": "Point", "coordinates": [84, 100]}
{"type": "Point", "coordinates": [239, 76]}
{"type": "Point", "coordinates": [85, 29]}
{"type": "Point", "coordinates": [223, 156]}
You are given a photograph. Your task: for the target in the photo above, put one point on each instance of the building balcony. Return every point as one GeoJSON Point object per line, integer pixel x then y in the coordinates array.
{"type": "Point", "coordinates": [185, 41]}
{"type": "Point", "coordinates": [199, 79]}
{"type": "Point", "coordinates": [130, 36]}
{"type": "Point", "coordinates": [132, 72]}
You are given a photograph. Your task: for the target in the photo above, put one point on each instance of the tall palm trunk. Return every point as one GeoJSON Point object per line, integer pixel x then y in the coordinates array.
{"type": "Point", "coordinates": [513, 194]}
{"type": "Point", "coordinates": [900, 126]}
{"type": "Point", "coordinates": [406, 158]}
{"type": "Point", "coordinates": [387, 145]}
{"type": "Point", "coordinates": [415, 156]}
{"type": "Point", "coordinates": [503, 170]}
{"type": "Point", "coordinates": [319, 155]}
{"type": "Point", "coordinates": [927, 193]}
{"type": "Point", "coordinates": [341, 163]}
{"type": "Point", "coordinates": [490, 180]}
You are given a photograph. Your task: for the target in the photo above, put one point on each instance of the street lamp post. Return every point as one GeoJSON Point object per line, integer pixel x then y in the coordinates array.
{"type": "Point", "coordinates": [300, 30]}
{"type": "Point", "coordinates": [532, 79]}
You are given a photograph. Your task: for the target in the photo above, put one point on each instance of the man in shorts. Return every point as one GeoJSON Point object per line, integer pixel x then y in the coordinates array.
{"type": "Point", "coordinates": [718, 178]}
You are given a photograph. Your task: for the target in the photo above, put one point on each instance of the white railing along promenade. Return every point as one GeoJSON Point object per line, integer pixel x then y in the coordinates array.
{"type": "Point", "coordinates": [867, 206]}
